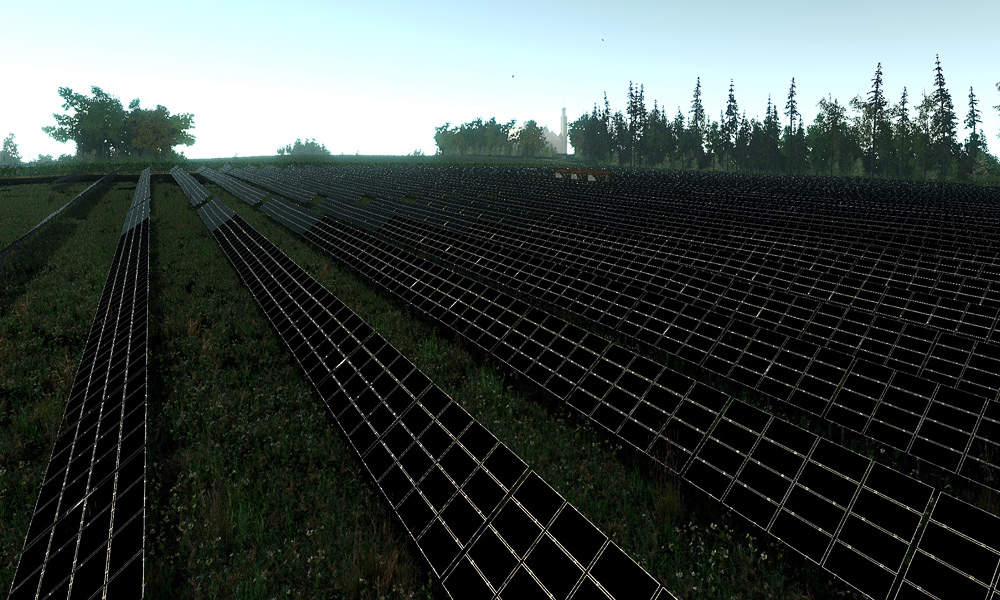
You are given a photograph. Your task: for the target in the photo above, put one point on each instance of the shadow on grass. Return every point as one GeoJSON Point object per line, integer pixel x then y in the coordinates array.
{"type": "Point", "coordinates": [19, 267]}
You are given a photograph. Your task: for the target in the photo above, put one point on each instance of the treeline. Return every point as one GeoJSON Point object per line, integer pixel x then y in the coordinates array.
{"type": "Point", "coordinates": [305, 149]}
{"type": "Point", "coordinates": [103, 129]}
{"type": "Point", "coordinates": [491, 138]}
{"type": "Point", "coordinates": [867, 136]}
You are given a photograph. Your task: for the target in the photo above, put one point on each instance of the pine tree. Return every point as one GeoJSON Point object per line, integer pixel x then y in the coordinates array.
{"type": "Point", "coordinates": [636, 119]}
{"type": "Point", "coordinates": [791, 107]}
{"type": "Point", "coordinates": [697, 126]}
{"type": "Point", "coordinates": [975, 116]}
{"type": "Point", "coordinates": [903, 124]}
{"type": "Point", "coordinates": [682, 137]}
{"type": "Point", "coordinates": [791, 110]}
{"type": "Point", "coordinates": [943, 129]}
{"type": "Point", "coordinates": [972, 145]}
{"type": "Point", "coordinates": [876, 105]}
{"type": "Point", "coordinates": [731, 123]}
{"type": "Point", "coordinates": [772, 129]}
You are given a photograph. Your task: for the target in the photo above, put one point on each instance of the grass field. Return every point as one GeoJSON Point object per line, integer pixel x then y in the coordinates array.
{"type": "Point", "coordinates": [24, 206]}
{"type": "Point", "coordinates": [252, 493]}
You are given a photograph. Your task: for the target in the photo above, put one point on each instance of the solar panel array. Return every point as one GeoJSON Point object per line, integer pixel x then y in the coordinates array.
{"type": "Point", "coordinates": [87, 533]}
{"type": "Point", "coordinates": [921, 390]}
{"type": "Point", "coordinates": [487, 525]}
{"type": "Point", "coordinates": [841, 510]}
{"type": "Point", "coordinates": [9, 253]}
{"type": "Point", "coordinates": [195, 192]}
{"type": "Point", "coordinates": [241, 190]}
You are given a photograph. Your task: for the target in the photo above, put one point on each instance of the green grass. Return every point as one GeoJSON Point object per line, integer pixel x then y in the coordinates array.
{"type": "Point", "coordinates": [253, 493]}
{"type": "Point", "coordinates": [25, 205]}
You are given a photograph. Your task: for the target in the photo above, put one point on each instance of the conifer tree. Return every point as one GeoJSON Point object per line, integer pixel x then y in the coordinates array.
{"type": "Point", "coordinates": [791, 111]}
{"type": "Point", "coordinates": [876, 106]}
{"type": "Point", "coordinates": [791, 107]}
{"type": "Point", "coordinates": [943, 121]}
{"type": "Point", "coordinates": [975, 116]}
{"type": "Point", "coordinates": [730, 123]}
{"type": "Point", "coordinates": [902, 124]}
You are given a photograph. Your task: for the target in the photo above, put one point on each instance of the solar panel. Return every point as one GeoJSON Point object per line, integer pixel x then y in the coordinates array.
{"type": "Point", "coordinates": [88, 529]}
{"type": "Point", "coordinates": [957, 555]}
{"type": "Point", "coordinates": [443, 473]}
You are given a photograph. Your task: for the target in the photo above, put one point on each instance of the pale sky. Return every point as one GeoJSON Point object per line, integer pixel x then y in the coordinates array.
{"type": "Point", "coordinates": [377, 77]}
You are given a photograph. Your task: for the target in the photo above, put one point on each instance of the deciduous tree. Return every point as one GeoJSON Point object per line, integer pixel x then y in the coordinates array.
{"type": "Point", "coordinates": [102, 128]}
{"type": "Point", "coordinates": [9, 155]}
{"type": "Point", "coordinates": [530, 139]}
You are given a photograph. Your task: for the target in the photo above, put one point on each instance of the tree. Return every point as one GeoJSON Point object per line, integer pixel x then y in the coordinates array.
{"type": "Point", "coordinates": [636, 120]}
{"type": "Point", "coordinates": [902, 125]}
{"type": "Point", "coordinates": [530, 139]}
{"type": "Point", "coordinates": [697, 126]}
{"type": "Point", "coordinates": [791, 107]}
{"type": "Point", "coordinates": [943, 122]}
{"type": "Point", "coordinates": [973, 144]}
{"type": "Point", "coordinates": [9, 155]}
{"type": "Point", "coordinates": [924, 133]}
{"type": "Point", "coordinates": [154, 133]}
{"type": "Point", "coordinates": [830, 134]}
{"type": "Point", "coordinates": [771, 152]}
{"type": "Point", "coordinates": [304, 149]}
{"type": "Point", "coordinates": [475, 137]}
{"type": "Point", "coordinates": [876, 107]}
{"type": "Point", "coordinates": [791, 111]}
{"type": "Point", "coordinates": [102, 128]}
{"type": "Point", "coordinates": [730, 124]}
{"type": "Point", "coordinates": [997, 107]}
{"type": "Point", "coordinates": [657, 140]}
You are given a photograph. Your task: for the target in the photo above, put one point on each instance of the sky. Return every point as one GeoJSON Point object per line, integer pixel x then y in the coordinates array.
{"type": "Point", "coordinates": [377, 77]}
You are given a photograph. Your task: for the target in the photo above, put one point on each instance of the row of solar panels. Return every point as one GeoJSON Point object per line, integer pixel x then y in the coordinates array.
{"type": "Point", "coordinates": [487, 526]}
{"type": "Point", "coordinates": [636, 202]}
{"type": "Point", "coordinates": [234, 186]}
{"type": "Point", "coordinates": [8, 254]}
{"type": "Point", "coordinates": [643, 258]}
{"type": "Point", "coordinates": [910, 407]}
{"type": "Point", "coordinates": [855, 517]}
{"type": "Point", "coordinates": [735, 247]}
{"type": "Point", "coordinates": [87, 533]}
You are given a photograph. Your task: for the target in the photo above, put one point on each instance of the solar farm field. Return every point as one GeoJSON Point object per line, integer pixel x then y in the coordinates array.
{"type": "Point", "coordinates": [472, 382]}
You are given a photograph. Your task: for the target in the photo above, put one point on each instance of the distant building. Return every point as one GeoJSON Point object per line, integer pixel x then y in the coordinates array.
{"type": "Point", "coordinates": [559, 142]}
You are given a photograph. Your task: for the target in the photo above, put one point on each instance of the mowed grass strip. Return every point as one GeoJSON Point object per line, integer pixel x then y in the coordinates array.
{"type": "Point", "coordinates": [682, 537]}
{"type": "Point", "coordinates": [42, 336]}
{"type": "Point", "coordinates": [251, 490]}
{"type": "Point", "coordinates": [22, 206]}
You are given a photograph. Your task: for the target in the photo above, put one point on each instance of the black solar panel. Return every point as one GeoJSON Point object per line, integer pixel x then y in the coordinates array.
{"type": "Point", "coordinates": [957, 555]}
{"type": "Point", "coordinates": [828, 503]}
{"type": "Point", "coordinates": [87, 533]}
{"type": "Point", "coordinates": [443, 473]}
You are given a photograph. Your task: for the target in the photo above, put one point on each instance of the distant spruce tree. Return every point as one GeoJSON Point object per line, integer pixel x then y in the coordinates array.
{"type": "Point", "coordinates": [791, 111]}
{"type": "Point", "coordinates": [636, 120]}
{"type": "Point", "coordinates": [902, 125]}
{"type": "Point", "coordinates": [972, 119]}
{"type": "Point", "coordinates": [730, 124]}
{"type": "Point", "coordinates": [943, 121]}
{"type": "Point", "coordinates": [876, 106]}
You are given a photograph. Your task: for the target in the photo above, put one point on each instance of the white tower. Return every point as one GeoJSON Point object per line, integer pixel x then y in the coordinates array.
{"type": "Point", "coordinates": [563, 132]}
